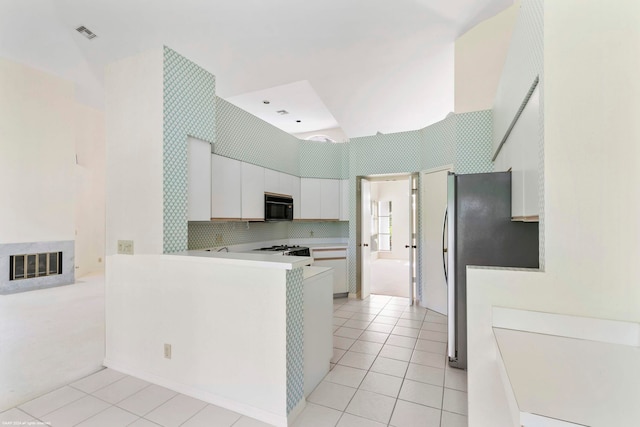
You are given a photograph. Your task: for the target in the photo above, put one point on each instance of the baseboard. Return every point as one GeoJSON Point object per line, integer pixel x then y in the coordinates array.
{"type": "Point", "coordinates": [354, 295]}
{"type": "Point", "coordinates": [296, 411]}
{"type": "Point", "coordinates": [223, 402]}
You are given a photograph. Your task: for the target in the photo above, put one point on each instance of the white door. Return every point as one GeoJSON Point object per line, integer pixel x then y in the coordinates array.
{"type": "Point", "coordinates": [412, 246]}
{"type": "Point", "coordinates": [365, 238]}
{"type": "Point", "coordinates": [434, 206]}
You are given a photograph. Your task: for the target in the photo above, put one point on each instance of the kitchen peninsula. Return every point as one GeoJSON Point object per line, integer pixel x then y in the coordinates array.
{"type": "Point", "coordinates": [250, 332]}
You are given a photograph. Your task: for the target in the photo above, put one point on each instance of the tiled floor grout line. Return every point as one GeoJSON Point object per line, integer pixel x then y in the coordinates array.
{"type": "Point", "coordinates": [422, 320]}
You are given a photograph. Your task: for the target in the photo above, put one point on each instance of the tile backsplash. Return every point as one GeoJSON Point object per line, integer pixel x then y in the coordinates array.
{"type": "Point", "coordinates": [213, 234]}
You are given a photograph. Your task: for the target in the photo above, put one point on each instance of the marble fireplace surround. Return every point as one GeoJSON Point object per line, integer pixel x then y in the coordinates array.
{"type": "Point", "coordinates": [13, 286]}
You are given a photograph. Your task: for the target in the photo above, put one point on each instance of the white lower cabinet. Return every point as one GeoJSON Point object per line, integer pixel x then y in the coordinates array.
{"type": "Point", "coordinates": [318, 329]}
{"type": "Point", "coordinates": [335, 258]}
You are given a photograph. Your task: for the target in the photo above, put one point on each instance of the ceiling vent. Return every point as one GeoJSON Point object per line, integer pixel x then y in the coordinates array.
{"type": "Point", "coordinates": [86, 32]}
{"type": "Point", "coordinates": [282, 112]}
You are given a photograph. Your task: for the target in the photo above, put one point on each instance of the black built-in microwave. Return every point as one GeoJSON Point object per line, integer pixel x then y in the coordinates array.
{"type": "Point", "coordinates": [278, 207]}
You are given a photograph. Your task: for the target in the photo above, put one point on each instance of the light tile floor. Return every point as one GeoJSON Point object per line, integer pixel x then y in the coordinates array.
{"type": "Point", "coordinates": [388, 369]}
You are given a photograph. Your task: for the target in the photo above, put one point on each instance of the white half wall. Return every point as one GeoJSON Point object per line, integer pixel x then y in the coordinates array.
{"type": "Point", "coordinates": [37, 157]}
{"type": "Point", "coordinates": [226, 325]}
{"type": "Point", "coordinates": [134, 114]}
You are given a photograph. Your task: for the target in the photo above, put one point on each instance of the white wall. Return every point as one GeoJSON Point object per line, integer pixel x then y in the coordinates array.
{"type": "Point", "coordinates": [479, 58]}
{"type": "Point", "coordinates": [90, 189]}
{"type": "Point", "coordinates": [592, 189]}
{"type": "Point", "coordinates": [398, 193]}
{"type": "Point", "coordinates": [134, 106]}
{"type": "Point", "coordinates": [37, 157]}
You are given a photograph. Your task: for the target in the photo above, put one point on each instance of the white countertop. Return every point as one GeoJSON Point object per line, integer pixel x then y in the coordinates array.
{"type": "Point", "coordinates": [576, 380]}
{"type": "Point", "coordinates": [257, 259]}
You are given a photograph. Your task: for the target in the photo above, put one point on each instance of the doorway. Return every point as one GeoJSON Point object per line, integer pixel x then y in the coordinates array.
{"type": "Point", "coordinates": [386, 235]}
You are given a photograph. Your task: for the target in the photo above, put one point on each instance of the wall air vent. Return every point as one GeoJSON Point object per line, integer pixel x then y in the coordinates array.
{"type": "Point", "coordinates": [86, 32]}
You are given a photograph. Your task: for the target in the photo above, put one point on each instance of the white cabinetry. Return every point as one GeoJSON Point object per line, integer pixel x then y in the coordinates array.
{"type": "Point", "coordinates": [310, 198]}
{"type": "Point", "coordinates": [318, 315]}
{"type": "Point", "coordinates": [252, 192]}
{"type": "Point", "coordinates": [330, 199]}
{"type": "Point", "coordinates": [225, 187]}
{"type": "Point", "coordinates": [344, 200]}
{"type": "Point", "coordinates": [271, 181]}
{"type": "Point", "coordinates": [278, 182]}
{"type": "Point", "coordinates": [199, 180]}
{"type": "Point", "coordinates": [335, 258]}
{"type": "Point", "coordinates": [519, 154]}
{"type": "Point", "coordinates": [296, 194]}
{"type": "Point", "coordinates": [320, 198]}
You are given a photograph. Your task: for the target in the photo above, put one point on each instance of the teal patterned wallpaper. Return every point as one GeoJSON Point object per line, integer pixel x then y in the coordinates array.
{"type": "Point", "coordinates": [473, 142]}
{"type": "Point", "coordinates": [214, 234]}
{"type": "Point", "coordinates": [189, 109]}
{"type": "Point", "coordinates": [243, 136]}
{"type": "Point", "coordinates": [322, 159]}
{"type": "Point", "coordinates": [295, 337]}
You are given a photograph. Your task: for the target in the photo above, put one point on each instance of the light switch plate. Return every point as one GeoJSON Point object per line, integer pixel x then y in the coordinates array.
{"type": "Point", "coordinates": [125, 247]}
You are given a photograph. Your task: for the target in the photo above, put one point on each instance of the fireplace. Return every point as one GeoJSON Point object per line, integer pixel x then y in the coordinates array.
{"type": "Point", "coordinates": [35, 265]}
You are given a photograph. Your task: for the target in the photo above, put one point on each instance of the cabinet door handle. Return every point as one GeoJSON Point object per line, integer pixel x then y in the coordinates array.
{"type": "Point", "coordinates": [366, 245]}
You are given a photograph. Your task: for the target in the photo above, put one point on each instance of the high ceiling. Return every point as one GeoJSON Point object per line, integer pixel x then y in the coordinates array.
{"type": "Point", "coordinates": [361, 65]}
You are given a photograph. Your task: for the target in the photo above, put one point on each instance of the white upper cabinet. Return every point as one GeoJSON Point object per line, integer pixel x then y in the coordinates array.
{"type": "Point", "coordinates": [523, 152]}
{"type": "Point", "coordinates": [226, 181]}
{"type": "Point", "coordinates": [296, 193]}
{"type": "Point", "coordinates": [253, 188]}
{"type": "Point", "coordinates": [286, 183]}
{"type": "Point", "coordinates": [271, 181]}
{"type": "Point", "coordinates": [278, 182]}
{"type": "Point", "coordinates": [320, 198]}
{"type": "Point", "coordinates": [330, 199]}
{"type": "Point", "coordinates": [199, 178]}
{"type": "Point", "coordinates": [344, 200]}
{"type": "Point", "coordinates": [310, 198]}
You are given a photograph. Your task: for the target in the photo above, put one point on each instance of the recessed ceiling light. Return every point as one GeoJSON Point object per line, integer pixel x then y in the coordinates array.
{"type": "Point", "coordinates": [86, 32]}
{"type": "Point", "coordinates": [266, 101]}
{"type": "Point", "coordinates": [282, 112]}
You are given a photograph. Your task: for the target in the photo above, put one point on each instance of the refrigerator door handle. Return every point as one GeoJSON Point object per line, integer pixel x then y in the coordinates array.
{"type": "Point", "coordinates": [444, 247]}
{"type": "Point", "coordinates": [451, 266]}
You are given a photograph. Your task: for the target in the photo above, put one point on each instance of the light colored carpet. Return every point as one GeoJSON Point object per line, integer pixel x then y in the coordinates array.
{"type": "Point", "coordinates": [390, 277]}
{"type": "Point", "coordinates": [49, 338]}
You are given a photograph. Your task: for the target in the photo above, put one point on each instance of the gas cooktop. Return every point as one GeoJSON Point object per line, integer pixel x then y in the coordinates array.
{"type": "Point", "coordinates": [280, 248]}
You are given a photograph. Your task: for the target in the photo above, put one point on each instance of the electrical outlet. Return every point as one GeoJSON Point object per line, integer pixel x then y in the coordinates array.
{"type": "Point", "coordinates": [125, 247]}
{"type": "Point", "coordinates": [218, 239]}
{"type": "Point", "coordinates": [311, 233]}
{"type": "Point", "coordinates": [167, 351]}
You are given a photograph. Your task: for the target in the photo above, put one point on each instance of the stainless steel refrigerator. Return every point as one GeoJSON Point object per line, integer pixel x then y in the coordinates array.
{"type": "Point", "coordinates": [480, 232]}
